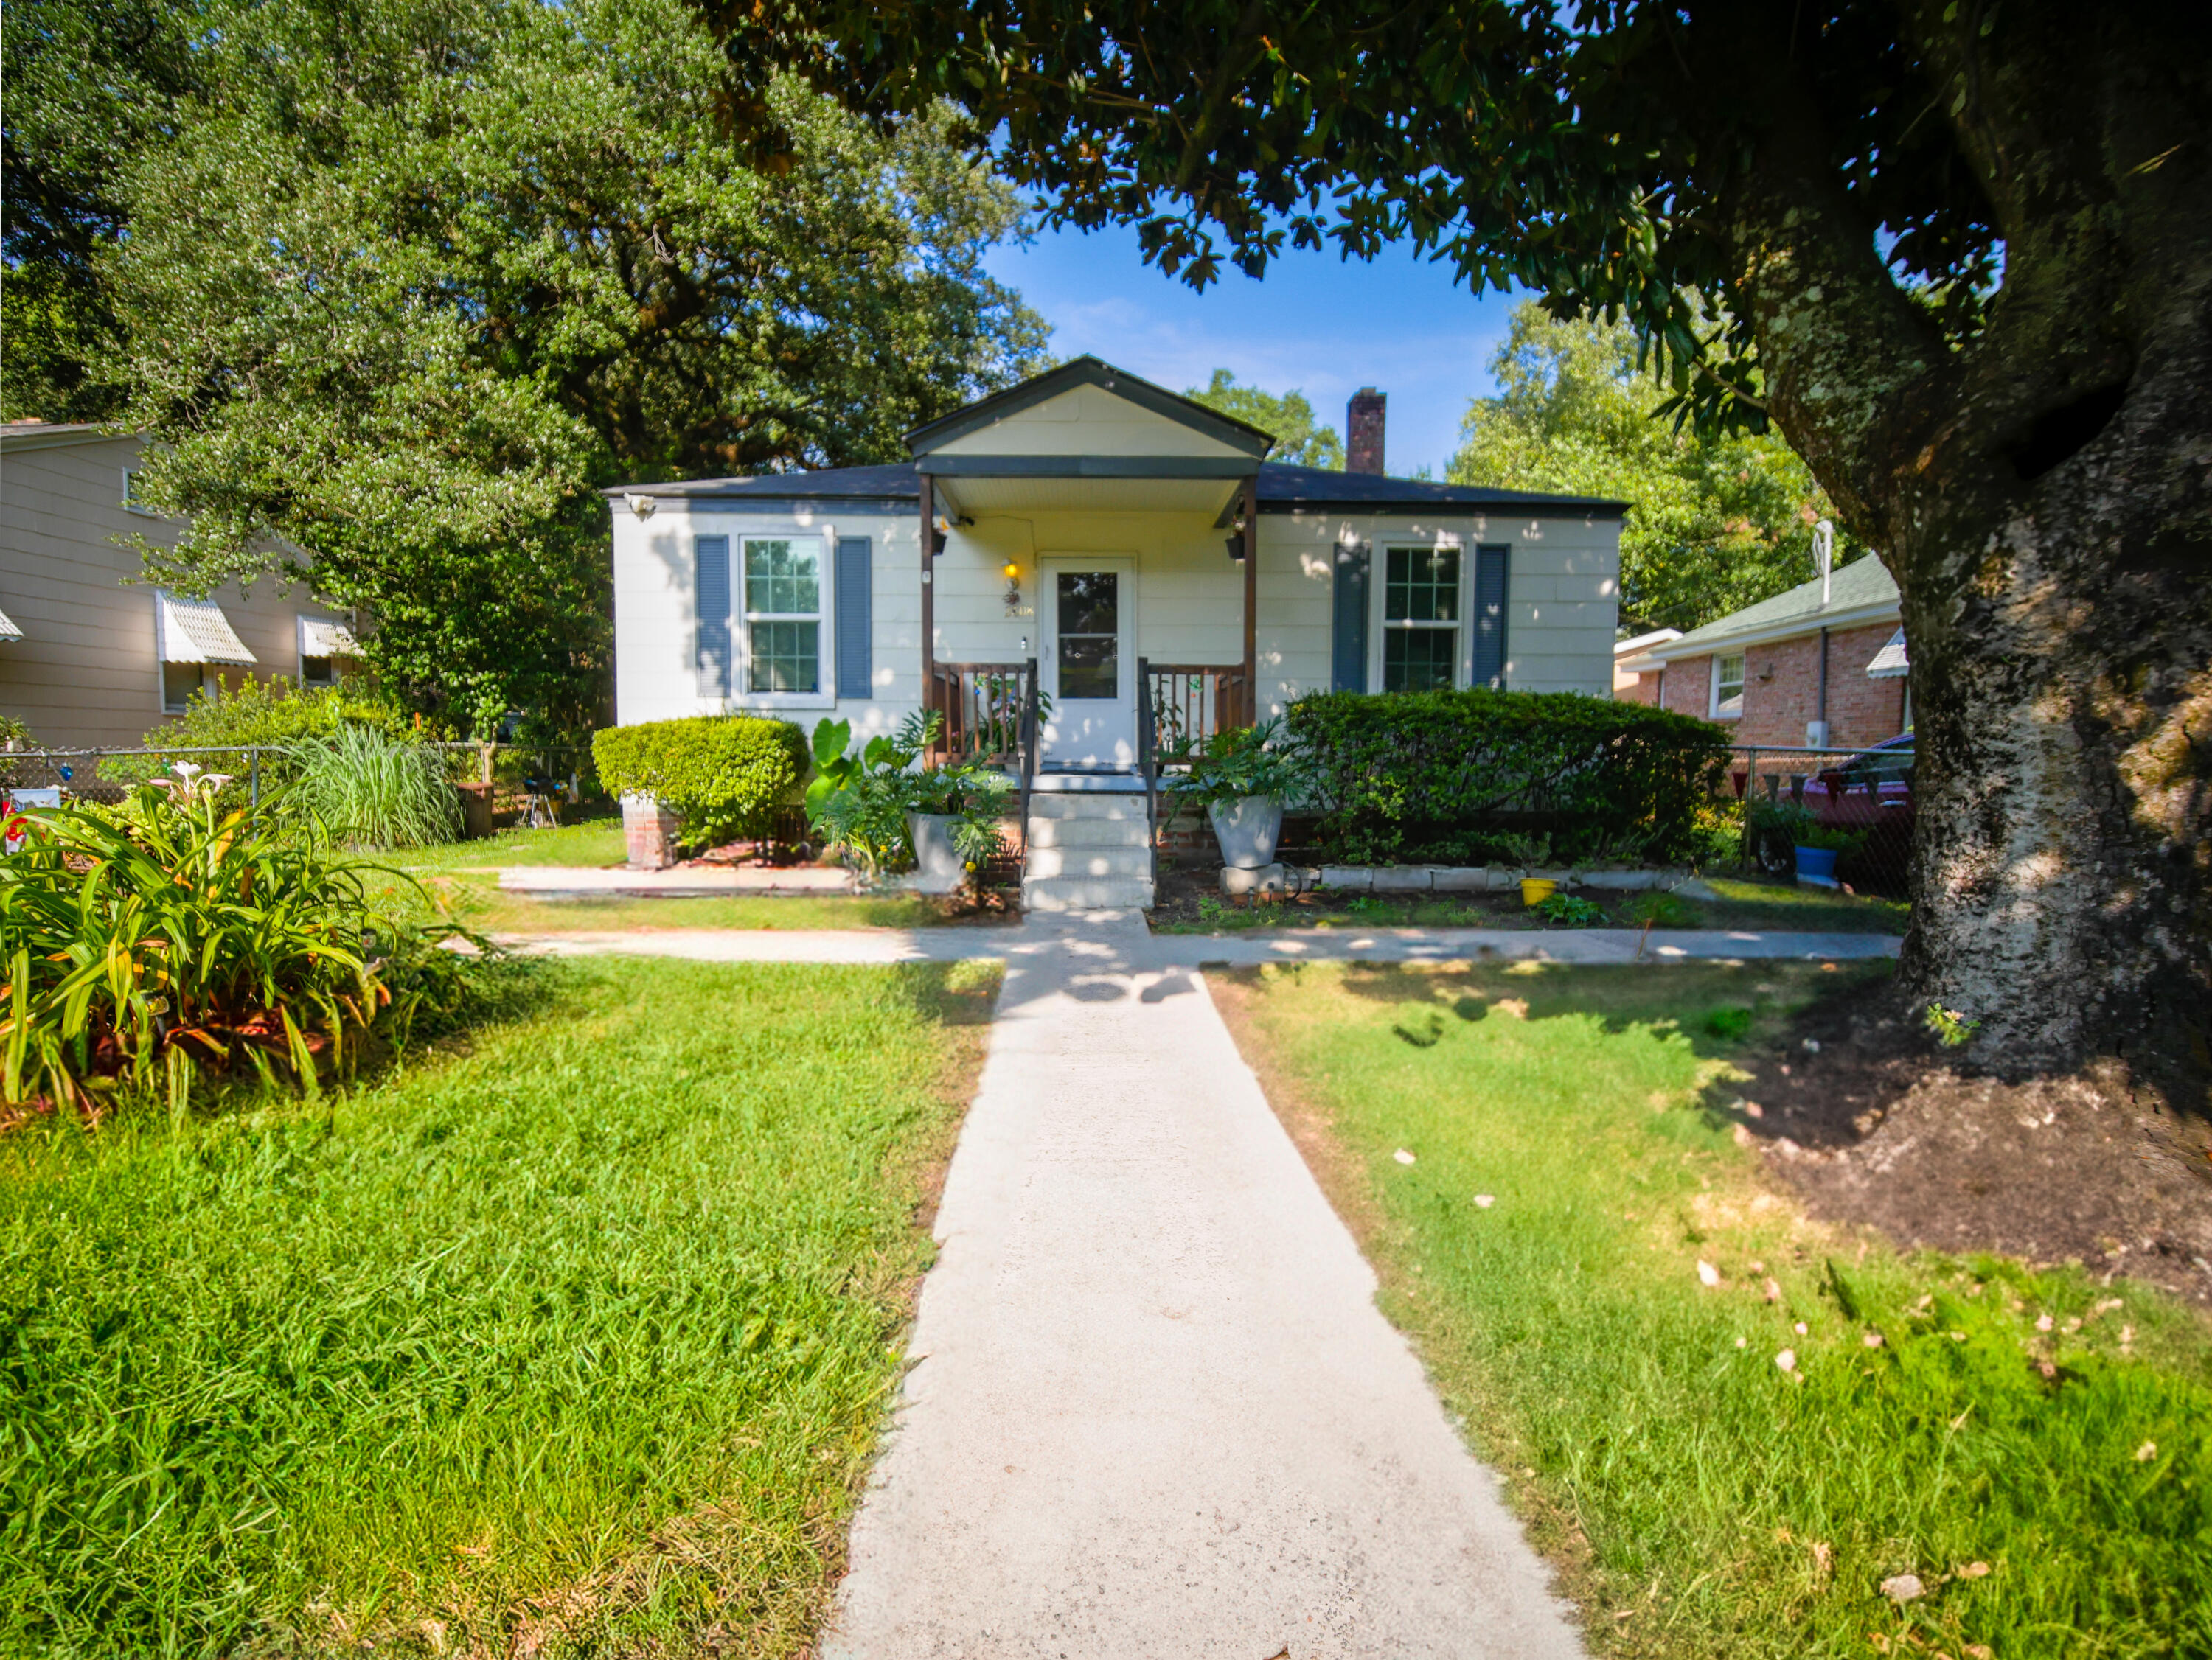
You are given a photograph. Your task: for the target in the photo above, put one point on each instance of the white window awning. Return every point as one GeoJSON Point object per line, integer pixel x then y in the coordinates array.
{"type": "Point", "coordinates": [1889, 662]}
{"type": "Point", "coordinates": [196, 631]}
{"type": "Point", "coordinates": [7, 629]}
{"type": "Point", "coordinates": [321, 638]}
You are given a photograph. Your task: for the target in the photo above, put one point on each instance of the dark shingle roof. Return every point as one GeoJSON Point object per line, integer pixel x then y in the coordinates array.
{"type": "Point", "coordinates": [1282, 489]}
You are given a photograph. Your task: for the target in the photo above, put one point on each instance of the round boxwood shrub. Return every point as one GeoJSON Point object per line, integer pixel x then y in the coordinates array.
{"type": "Point", "coordinates": [726, 775]}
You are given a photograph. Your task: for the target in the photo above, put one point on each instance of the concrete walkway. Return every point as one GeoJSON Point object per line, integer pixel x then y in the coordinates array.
{"type": "Point", "coordinates": [1153, 1413]}
{"type": "Point", "coordinates": [1142, 949]}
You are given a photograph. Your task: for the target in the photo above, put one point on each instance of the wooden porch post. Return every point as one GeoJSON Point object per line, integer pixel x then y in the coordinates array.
{"type": "Point", "coordinates": [929, 592]}
{"type": "Point", "coordinates": [1252, 600]}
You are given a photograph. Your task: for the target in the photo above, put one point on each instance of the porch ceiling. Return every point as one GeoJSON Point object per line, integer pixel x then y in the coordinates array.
{"type": "Point", "coordinates": [975, 495]}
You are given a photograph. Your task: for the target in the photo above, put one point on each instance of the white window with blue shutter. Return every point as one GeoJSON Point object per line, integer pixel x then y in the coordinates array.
{"type": "Point", "coordinates": [1493, 581]}
{"type": "Point", "coordinates": [855, 611]}
{"type": "Point", "coordinates": [710, 589]}
{"type": "Point", "coordinates": [1348, 618]}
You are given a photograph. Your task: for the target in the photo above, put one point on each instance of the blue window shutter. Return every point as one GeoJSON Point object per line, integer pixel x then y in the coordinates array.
{"type": "Point", "coordinates": [711, 656]}
{"type": "Point", "coordinates": [1493, 576]}
{"type": "Point", "coordinates": [855, 617]}
{"type": "Point", "coordinates": [1348, 626]}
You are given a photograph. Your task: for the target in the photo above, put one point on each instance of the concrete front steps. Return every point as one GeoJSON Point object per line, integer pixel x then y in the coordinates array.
{"type": "Point", "coordinates": [1088, 849]}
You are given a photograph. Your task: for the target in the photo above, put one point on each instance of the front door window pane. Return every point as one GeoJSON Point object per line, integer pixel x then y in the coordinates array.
{"type": "Point", "coordinates": [783, 615]}
{"type": "Point", "coordinates": [1090, 604]}
{"type": "Point", "coordinates": [1420, 619]}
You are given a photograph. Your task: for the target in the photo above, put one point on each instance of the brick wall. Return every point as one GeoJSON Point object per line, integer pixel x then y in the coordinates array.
{"type": "Point", "coordinates": [1781, 692]}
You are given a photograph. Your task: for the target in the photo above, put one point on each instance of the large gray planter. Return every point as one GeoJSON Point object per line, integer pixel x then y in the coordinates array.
{"type": "Point", "coordinates": [938, 868]}
{"type": "Point", "coordinates": [1248, 829]}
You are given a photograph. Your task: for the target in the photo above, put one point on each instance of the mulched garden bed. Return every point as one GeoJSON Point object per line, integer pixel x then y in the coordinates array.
{"type": "Point", "coordinates": [1872, 1121]}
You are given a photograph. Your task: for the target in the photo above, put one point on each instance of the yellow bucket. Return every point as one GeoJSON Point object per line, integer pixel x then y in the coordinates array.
{"type": "Point", "coordinates": [1534, 890]}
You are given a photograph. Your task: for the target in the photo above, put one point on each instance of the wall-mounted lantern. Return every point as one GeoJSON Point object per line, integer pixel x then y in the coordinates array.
{"type": "Point", "coordinates": [1013, 589]}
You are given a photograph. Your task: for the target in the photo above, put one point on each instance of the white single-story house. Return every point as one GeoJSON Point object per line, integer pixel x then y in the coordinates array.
{"type": "Point", "coordinates": [1129, 543]}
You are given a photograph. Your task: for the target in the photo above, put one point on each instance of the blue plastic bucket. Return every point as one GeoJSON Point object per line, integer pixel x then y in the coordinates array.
{"type": "Point", "coordinates": [1818, 863]}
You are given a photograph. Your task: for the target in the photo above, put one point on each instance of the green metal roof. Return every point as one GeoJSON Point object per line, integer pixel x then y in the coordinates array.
{"type": "Point", "coordinates": [1864, 584]}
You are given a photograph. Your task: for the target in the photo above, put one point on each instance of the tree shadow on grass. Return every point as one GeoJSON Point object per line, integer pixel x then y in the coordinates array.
{"type": "Point", "coordinates": [1745, 1015]}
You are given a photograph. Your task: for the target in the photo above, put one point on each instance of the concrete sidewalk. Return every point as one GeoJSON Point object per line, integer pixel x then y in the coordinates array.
{"type": "Point", "coordinates": [1153, 1413]}
{"type": "Point", "coordinates": [1141, 949]}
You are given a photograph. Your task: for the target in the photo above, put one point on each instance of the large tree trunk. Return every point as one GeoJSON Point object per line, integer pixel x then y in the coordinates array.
{"type": "Point", "coordinates": [2061, 630]}
{"type": "Point", "coordinates": [2043, 491]}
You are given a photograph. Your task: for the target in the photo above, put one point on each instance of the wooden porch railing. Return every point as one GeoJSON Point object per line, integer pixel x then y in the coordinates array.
{"type": "Point", "coordinates": [1181, 708]}
{"type": "Point", "coordinates": [983, 706]}
{"type": "Point", "coordinates": [1191, 703]}
{"type": "Point", "coordinates": [990, 711]}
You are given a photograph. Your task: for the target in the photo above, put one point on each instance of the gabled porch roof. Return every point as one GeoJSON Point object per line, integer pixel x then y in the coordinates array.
{"type": "Point", "coordinates": [1282, 489]}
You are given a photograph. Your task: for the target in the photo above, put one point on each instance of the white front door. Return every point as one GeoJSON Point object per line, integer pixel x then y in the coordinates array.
{"type": "Point", "coordinates": [1088, 665]}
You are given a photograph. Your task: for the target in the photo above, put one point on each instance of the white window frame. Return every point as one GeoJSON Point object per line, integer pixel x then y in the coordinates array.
{"type": "Point", "coordinates": [1378, 581]}
{"type": "Point", "coordinates": [1717, 709]}
{"type": "Point", "coordinates": [742, 616]}
{"type": "Point", "coordinates": [162, 685]}
{"type": "Point", "coordinates": [129, 489]}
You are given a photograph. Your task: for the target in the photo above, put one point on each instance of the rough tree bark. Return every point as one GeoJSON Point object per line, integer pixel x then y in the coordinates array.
{"type": "Point", "coordinates": [2045, 499]}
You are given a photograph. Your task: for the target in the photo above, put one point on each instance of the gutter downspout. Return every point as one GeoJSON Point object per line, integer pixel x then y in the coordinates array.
{"type": "Point", "coordinates": [1823, 712]}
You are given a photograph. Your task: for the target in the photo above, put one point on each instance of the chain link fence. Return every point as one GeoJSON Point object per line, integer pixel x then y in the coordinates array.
{"type": "Point", "coordinates": [533, 785]}
{"type": "Point", "coordinates": [1855, 805]}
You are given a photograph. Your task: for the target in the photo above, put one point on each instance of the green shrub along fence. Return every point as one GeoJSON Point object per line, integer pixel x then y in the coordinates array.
{"type": "Point", "coordinates": [728, 776]}
{"type": "Point", "coordinates": [1472, 777]}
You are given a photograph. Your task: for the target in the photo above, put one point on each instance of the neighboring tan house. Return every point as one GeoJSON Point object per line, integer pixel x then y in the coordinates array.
{"type": "Point", "coordinates": [90, 656]}
{"type": "Point", "coordinates": [1808, 669]}
{"type": "Point", "coordinates": [1628, 685]}
{"type": "Point", "coordinates": [1088, 519]}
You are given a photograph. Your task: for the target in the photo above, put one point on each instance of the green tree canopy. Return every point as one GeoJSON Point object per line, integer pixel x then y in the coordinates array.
{"type": "Point", "coordinates": [1959, 251]}
{"type": "Point", "coordinates": [1298, 440]}
{"type": "Point", "coordinates": [1716, 521]}
{"type": "Point", "coordinates": [410, 279]}
{"type": "Point", "coordinates": [88, 84]}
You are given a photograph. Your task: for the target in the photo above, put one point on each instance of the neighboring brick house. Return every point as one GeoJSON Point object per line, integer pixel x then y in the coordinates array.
{"type": "Point", "coordinates": [1628, 686]}
{"type": "Point", "coordinates": [1798, 670]}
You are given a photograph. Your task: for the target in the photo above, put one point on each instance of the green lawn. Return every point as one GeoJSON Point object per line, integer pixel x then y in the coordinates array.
{"type": "Point", "coordinates": [1701, 1499]}
{"type": "Point", "coordinates": [464, 878]}
{"type": "Point", "coordinates": [594, 842]}
{"type": "Point", "coordinates": [1753, 906]}
{"type": "Point", "coordinates": [573, 1339]}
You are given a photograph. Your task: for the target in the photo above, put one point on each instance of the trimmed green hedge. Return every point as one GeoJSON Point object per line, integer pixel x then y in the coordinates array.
{"type": "Point", "coordinates": [1472, 777]}
{"type": "Point", "coordinates": [727, 775]}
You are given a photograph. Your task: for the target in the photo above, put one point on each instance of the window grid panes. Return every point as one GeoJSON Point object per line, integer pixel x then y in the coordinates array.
{"type": "Point", "coordinates": [783, 615]}
{"type": "Point", "coordinates": [1727, 687]}
{"type": "Point", "coordinates": [1420, 619]}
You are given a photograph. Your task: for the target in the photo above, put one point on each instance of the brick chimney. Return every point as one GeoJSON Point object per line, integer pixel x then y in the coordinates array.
{"type": "Point", "coordinates": [1363, 430]}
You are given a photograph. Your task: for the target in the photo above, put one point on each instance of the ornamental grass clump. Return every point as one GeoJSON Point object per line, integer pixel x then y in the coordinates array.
{"type": "Point", "coordinates": [373, 788]}
{"type": "Point", "coordinates": [171, 940]}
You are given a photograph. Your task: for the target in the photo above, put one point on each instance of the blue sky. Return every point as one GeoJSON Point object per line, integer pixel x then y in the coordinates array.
{"type": "Point", "coordinates": [1314, 322]}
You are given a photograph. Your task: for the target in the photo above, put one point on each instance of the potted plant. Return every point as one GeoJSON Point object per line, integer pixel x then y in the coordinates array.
{"type": "Point", "coordinates": [1242, 779]}
{"type": "Point", "coordinates": [953, 815]}
{"type": "Point", "coordinates": [1819, 846]}
{"type": "Point", "coordinates": [881, 812]}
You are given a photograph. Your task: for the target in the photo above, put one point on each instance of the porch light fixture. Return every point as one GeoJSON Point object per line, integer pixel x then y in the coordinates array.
{"type": "Point", "coordinates": [1013, 589]}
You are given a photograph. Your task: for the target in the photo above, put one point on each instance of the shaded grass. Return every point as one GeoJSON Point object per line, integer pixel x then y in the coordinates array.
{"type": "Point", "coordinates": [1779, 906]}
{"type": "Point", "coordinates": [579, 1338]}
{"type": "Point", "coordinates": [1753, 906]}
{"type": "Point", "coordinates": [1702, 1500]}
